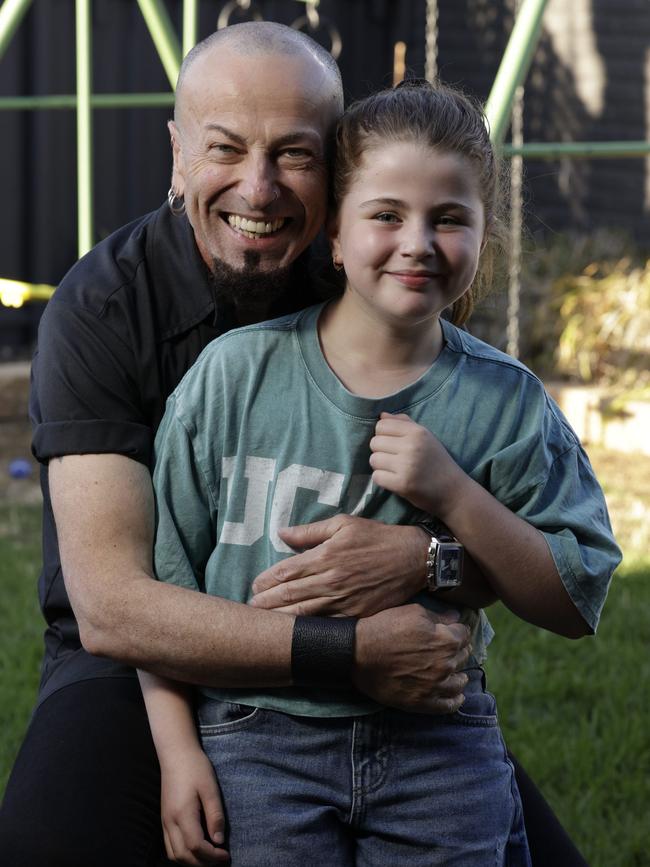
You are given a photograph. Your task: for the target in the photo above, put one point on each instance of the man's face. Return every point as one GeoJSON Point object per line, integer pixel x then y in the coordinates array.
{"type": "Point", "coordinates": [249, 156]}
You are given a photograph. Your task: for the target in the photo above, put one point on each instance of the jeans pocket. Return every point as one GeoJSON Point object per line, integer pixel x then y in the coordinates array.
{"type": "Point", "coordinates": [478, 709]}
{"type": "Point", "coordinates": [480, 706]}
{"type": "Point", "coordinates": [222, 717]}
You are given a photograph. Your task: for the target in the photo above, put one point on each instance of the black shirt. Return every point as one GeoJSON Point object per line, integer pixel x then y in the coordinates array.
{"type": "Point", "coordinates": [116, 338]}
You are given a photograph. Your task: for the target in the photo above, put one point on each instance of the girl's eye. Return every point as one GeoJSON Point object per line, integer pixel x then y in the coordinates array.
{"type": "Point", "coordinates": [447, 220]}
{"type": "Point", "coordinates": [387, 217]}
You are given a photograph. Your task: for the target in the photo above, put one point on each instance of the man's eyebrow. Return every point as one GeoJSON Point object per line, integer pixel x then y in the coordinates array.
{"type": "Point", "coordinates": [216, 127]}
{"type": "Point", "coordinates": [283, 141]}
{"type": "Point", "coordinates": [298, 137]}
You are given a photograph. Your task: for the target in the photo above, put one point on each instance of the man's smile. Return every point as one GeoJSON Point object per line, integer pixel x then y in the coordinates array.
{"type": "Point", "coordinates": [254, 228]}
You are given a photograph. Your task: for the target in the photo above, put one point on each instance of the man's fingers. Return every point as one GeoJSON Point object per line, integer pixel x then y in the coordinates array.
{"type": "Point", "coordinates": [452, 687]}
{"type": "Point", "coordinates": [452, 615]}
{"type": "Point", "coordinates": [288, 592]}
{"type": "Point", "coordinates": [459, 632]}
{"type": "Point", "coordinates": [290, 569]}
{"type": "Point", "coordinates": [442, 705]}
{"type": "Point", "coordinates": [305, 536]}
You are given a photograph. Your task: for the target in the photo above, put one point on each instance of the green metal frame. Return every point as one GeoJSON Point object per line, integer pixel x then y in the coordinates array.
{"type": "Point", "coordinates": [514, 66]}
{"type": "Point", "coordinates": [84, 101]}
{"type": "Point", "coordinates": [512, 72]}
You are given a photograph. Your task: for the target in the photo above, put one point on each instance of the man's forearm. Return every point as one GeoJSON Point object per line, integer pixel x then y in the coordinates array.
{"type": "Point", "coordinates": [189, 636]}
{"type": "Point", "coordinates": [104, 510]}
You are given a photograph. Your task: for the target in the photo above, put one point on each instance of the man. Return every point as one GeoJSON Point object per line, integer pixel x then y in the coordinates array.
{"type": "Point", "coordinates": [255, 109]}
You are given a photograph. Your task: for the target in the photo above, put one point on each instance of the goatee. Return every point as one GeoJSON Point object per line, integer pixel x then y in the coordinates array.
{"type": "Point", "coordinates": [252, 293]}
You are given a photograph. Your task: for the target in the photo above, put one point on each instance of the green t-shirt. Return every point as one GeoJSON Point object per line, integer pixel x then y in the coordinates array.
{"type": "Point", "coordinates": [260, 434]}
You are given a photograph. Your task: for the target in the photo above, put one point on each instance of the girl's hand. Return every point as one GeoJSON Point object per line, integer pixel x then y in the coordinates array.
{"type": "Point", "coordinates": [408, 460]}
{"type": "Point", "coordinates": [190, 807]}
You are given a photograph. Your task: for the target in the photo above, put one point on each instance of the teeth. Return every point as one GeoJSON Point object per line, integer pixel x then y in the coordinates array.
{"type": "Point", "coordinates": [254, 228]}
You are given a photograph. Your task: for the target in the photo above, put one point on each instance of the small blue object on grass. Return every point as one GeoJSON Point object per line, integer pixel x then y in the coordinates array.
{"type": "Point", "coordinates": [20, 468]}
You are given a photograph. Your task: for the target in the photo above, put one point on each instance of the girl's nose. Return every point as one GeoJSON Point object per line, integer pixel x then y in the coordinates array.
{"type": "Point", "coordinates": [418, 242]}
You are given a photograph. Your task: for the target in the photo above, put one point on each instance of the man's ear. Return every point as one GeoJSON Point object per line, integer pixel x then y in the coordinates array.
{"type": "Point", "coordinates": [177, 171]}
{"type": "Point", "coordinates": [332, 231]}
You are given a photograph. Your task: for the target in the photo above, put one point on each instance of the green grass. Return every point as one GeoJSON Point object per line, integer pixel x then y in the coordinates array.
{"type": "Point", "coordinates": [21, 627]}
{"type": "Point", "coordinates": [574, 713]}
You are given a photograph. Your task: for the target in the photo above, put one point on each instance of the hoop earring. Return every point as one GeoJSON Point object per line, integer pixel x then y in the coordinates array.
{"type": "Point", "coordinates": [176, 203]}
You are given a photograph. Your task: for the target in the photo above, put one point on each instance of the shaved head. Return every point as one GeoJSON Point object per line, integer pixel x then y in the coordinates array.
{"type": "Point", "coordinates": [260, 38]}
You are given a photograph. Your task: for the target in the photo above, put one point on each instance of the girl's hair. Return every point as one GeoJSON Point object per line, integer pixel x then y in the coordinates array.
{"type": "Point", "coordinates": [442, 118]}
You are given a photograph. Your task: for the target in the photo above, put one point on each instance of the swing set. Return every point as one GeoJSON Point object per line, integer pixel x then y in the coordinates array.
{"type": "Point", "coordinates": [504, 106]}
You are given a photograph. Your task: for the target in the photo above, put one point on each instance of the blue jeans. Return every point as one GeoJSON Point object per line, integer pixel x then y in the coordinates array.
{"type": "Point", "coordinates": [391, 788]}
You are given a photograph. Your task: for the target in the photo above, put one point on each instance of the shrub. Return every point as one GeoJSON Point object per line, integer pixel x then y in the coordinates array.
{"type": "Point", "coordinates": [605, 316]}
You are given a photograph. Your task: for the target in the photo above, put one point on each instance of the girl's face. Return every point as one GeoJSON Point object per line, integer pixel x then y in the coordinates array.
{"type": "Point", "coordinates": [409, 231]}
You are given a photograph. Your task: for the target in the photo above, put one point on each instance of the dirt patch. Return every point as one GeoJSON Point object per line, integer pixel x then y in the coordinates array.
{"type": "Point", "coordinates": [15, 437]}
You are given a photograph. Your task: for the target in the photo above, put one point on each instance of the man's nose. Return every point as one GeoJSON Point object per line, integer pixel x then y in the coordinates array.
{"type": "Point", "coordinates": [258, 185]}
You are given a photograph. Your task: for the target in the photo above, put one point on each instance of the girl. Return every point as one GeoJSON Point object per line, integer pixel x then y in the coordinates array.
{"type": "Point", "coordinates": [374, 405]}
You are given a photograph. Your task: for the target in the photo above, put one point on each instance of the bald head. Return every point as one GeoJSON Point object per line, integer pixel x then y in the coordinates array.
{"type": "Point", "coordinates": [259, 39]}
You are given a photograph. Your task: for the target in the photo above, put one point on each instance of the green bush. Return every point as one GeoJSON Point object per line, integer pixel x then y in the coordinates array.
{"type": "Point", "coordinates": [585, 310]}
{"type": "Point", "coordinates": [605, 316]}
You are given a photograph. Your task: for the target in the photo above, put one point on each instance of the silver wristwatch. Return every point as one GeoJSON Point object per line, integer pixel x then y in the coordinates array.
{"type": "Point", "coordinates": [444, 558]}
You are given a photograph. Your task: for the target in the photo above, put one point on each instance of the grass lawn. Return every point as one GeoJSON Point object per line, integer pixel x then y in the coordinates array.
{"type": "Point", "coordinates": [21, 626]}
{"type": "Point", "coordinates": [573, 712]}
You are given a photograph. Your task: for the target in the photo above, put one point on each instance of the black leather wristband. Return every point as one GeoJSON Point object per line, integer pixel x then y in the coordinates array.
{"type": "Point", "coordinates": [322, 651]}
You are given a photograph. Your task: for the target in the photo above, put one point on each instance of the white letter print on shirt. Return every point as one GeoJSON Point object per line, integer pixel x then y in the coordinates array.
{"type": "Point", "coordinates": [259, 472]}
{"type": "Point", "coordinates": [329, 486]}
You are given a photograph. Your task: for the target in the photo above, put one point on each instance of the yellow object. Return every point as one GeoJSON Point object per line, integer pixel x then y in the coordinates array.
{"type": "Point", "coordinates": [14, 293]}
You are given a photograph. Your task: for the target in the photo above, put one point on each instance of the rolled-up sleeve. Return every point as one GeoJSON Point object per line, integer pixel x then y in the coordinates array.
{"type": "Point", "coordinates": [85, 397]}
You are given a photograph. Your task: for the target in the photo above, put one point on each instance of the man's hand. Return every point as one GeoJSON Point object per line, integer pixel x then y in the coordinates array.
{"type": "Point", "coordinates": [409, 460]}
{"type": "Point", "coordinates": [190, 802]}
{"type": "Point", "coordinates": [352, 567]}
{"type": "Point", "coordinates": [410, 658]}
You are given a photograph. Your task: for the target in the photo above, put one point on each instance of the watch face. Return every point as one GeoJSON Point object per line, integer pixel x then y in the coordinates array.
{"type": "Point", "coordinates": [450, 565]}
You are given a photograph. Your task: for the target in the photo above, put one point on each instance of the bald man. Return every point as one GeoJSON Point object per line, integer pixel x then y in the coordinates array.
{"type": "Point", "coordinates": [256, 105]}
